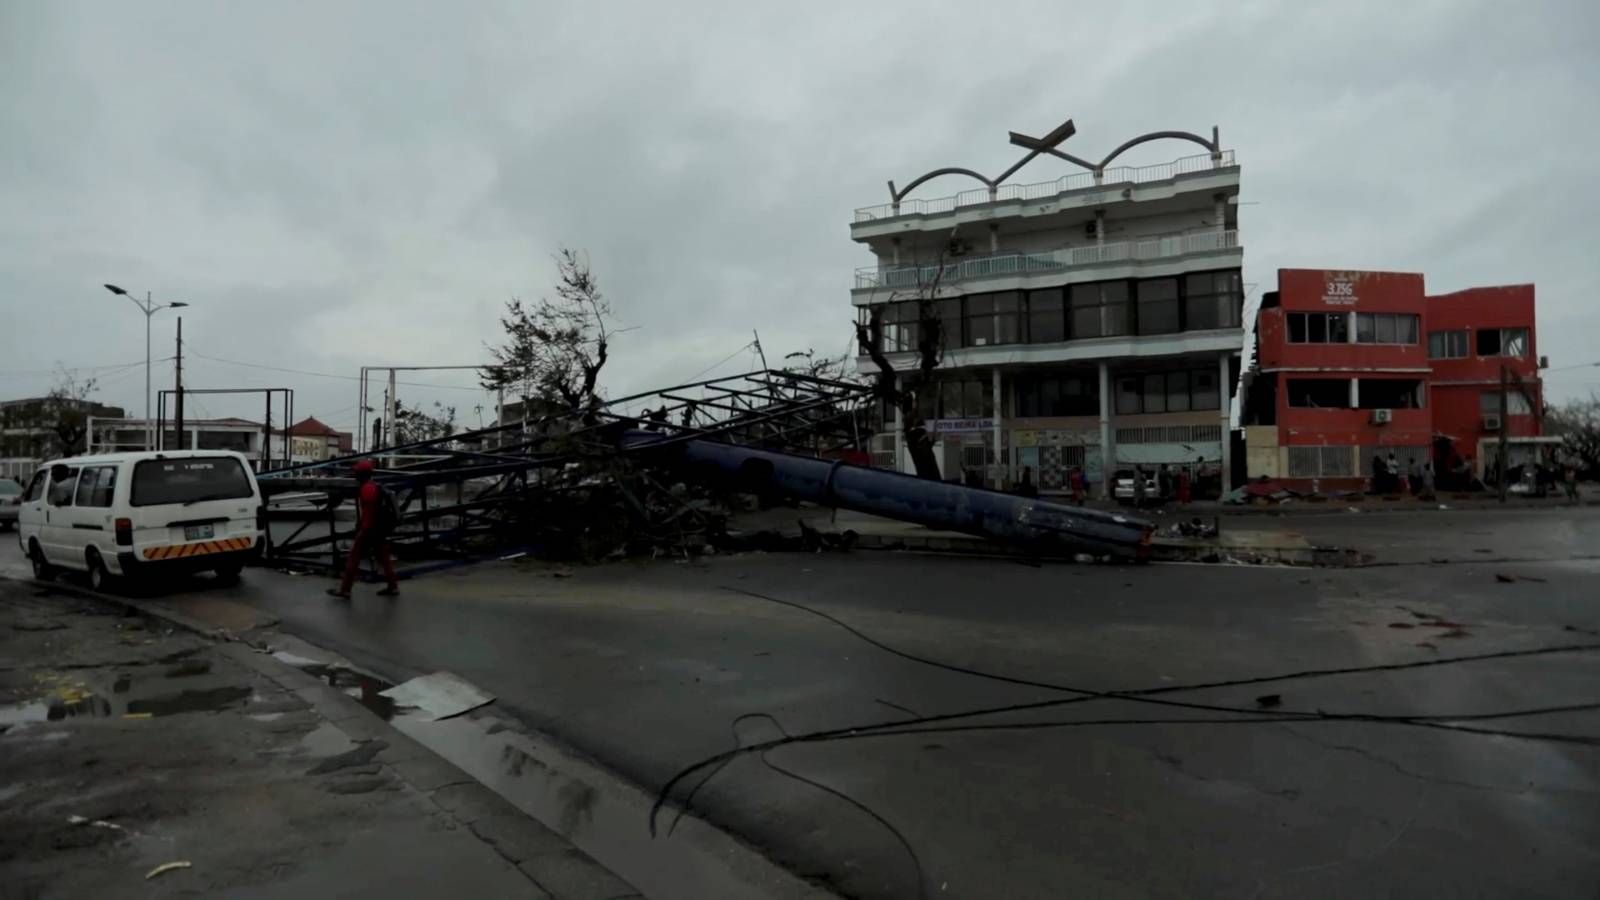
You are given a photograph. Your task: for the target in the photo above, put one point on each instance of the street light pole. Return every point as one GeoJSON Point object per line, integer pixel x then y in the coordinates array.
{"type": "Point", "coordinates": [149, 308]}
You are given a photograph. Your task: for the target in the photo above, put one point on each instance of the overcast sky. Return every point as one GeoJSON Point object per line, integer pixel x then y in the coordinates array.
{"type": "Point", "coordinates": [339, 184]}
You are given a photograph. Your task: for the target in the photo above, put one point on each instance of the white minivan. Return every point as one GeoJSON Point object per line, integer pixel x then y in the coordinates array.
{"type": "Point", "coordinates": [138, 514]}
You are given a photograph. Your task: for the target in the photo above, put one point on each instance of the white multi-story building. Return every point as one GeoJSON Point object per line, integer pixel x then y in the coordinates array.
{"type": "Point", "coordinates": [1091, 321]}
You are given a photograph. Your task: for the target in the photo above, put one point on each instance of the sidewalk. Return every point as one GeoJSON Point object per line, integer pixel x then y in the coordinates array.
{"type": "Point", "coordinates": [127, 745]}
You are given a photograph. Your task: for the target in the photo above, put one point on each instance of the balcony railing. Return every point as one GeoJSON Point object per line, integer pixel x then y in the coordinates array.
{"type": "Point", "coordinates": [1044, 189]}
{"type": "Point", "coordinates": [1014, 264]}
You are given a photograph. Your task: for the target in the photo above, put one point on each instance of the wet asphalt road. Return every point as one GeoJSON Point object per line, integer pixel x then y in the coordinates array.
{"type": "Point", "coordinates": [649, 668]}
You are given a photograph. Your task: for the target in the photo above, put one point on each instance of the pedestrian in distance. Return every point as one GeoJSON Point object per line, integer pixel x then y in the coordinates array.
{"type": "Point", "coordinates": [1025, 487]}
{"type": "Point", "coordinates": [1391, 468]}
{"type": "Point", "coordinates": [1075, 481]}
{"type": "Point", "coordinates": [1163, 482]}
{"type": "Point", "coordinates": [1414, 473]}
{"type": "Point", "coordinates": [1569, 480]}
{"type": "Point", "coordinates": [1378, 472]}
{"type": "Point", "coordinates": [1428, 486]}
{"type": "Point", "coordinates": [1183, 486]}
{"type": "Point", "coordinates": [375, 520]}
{"type": "Point", "coordinates": [1139, 491]}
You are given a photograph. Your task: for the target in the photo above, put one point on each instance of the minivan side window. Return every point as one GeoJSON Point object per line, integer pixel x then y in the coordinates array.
{"type": "Point", "coordinates": [95, 486]}
{"type": "Point", "coordinates": [36, 486]}
{"type": "Point", "coordinates": [61, 491]}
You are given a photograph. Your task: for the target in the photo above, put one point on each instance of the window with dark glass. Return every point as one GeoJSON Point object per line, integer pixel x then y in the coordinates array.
{"type": "Point", "coordinates": [1007, 317]}
{"type": "Point", "coordinates": [1205, 394]}
{"type": "Point", "coordinates": [1447, 345]}
{"type": "Point", "coordinates": [1318, 328]}
{"type": "Point", "coordinates": [1128, 396]}
{"type": "Point", "coordinates": [1158, 392]}
{"type": "Point", "coordinates": [1064, 395]}
{"type": "Point", "coordinates": [980, 320]}
{"type": "Point", "coordinates": [1177, 392]}
{"type": "Point", "coordinates": [1502, 342]}
{"type": "Point", "coordinates": [949, 312]}
{"type": "Point", "coordinates": [1386, 328]}
{"type": "Point", "coordinates": [1319, 393]}
{"type": "Point", "coordinates": [1100, 310]}
{"type": "Point", "coordinates": [1046, 317]}
{"type": "Point", "coordinates": [1212, 300]}
{"type": "Point", "coordinates": [1158, 306]}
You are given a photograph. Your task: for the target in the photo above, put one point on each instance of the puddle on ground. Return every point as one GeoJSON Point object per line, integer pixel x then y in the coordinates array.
{"type": "Point", "coordinates": [364, 688]}
{"type": "Point", "coordinates": [121, 696]}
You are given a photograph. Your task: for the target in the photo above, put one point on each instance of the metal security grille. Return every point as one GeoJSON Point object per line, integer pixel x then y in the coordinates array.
{"type": "Point", "coordinates": [1321, 462]}
{"type": "Point", "coordinates": [1169, 434]}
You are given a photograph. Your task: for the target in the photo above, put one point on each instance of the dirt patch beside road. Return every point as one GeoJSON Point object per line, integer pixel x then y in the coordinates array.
{"type": "Point", "coordinates": [126, 745]}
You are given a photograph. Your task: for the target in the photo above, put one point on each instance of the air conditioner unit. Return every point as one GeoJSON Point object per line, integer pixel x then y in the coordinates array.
{"type": "Point", "coordinates": [1088, 229]}
{"type": "Point", "coordinates": [1382, 416]}
{"type": "Point", "coordinates": [959, 248]}
{"type": "Point", "coordinates": [1491, 423]}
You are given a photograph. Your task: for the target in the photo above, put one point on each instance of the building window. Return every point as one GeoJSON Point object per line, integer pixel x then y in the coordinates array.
{"type": "Point", "coordinates": [1205, 394]}
{"type": "Point", "coordinates": [1100, 310]}
{"type": "Point", "coordinates": [1386, 328]}
{"type": "Point", "coordinates": [1008, 318]}
{"type": "Point", "coordinates": [1489, 403]}
{"type": "Point", "coordinates": [965, 399]}
{"type": "Point", "coordinates": [1057, 396]}
{"type": "Point", "coordinates": [1447, 345]}
{"type": "Point", "coordinates": [1503, 342]}
{"type": "Point", "coordinates": [1047, 322]}
{"type": "Point", "coordinates": [1212, 300]}
{"type": "Point", "coordinates": [1158, 306]}
{"type": "Point", "coordinates": [1319, 328]}
{"type": "Point", "coordinates": [1390, 393]}
{"type": "Point", "coordinates": [1159, 392]}
{"type": "Point", "coordinates": [1319, 393]}
{"type": "Point", "coordinates": [949, 313]}
{"type": "Point", "coordinates": [900, 327]}
{"type": "Point", "coordinates": [1128, 396]}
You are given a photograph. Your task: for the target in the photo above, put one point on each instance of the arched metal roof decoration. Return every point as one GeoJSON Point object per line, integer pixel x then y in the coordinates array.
{"type": "Point", "coordinates": [1047, 145]}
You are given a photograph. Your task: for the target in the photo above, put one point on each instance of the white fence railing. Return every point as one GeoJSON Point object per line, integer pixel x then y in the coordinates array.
{"type": "Point", "coordinates": [1044, 189]}
{"type": "Point", "coordinates": [1014, 264]}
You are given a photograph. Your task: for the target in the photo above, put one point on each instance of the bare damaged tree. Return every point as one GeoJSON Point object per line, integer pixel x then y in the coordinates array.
{"type": "Point", "coordinates": [901, 388]}
{"type": "Point", "coordinates": [554, 351]}
{"type": "Point", "coordinates": [66, 411]}
{"type": "Point", "coordinates": [1578, 423]}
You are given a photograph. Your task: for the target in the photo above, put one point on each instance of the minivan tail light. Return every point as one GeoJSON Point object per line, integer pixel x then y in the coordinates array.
{"type": "Point", "coordinates": [125, 532]}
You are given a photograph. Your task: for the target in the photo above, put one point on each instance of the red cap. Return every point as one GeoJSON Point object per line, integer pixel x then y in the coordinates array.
{"type": "Point", "coordinates": [362, 466]}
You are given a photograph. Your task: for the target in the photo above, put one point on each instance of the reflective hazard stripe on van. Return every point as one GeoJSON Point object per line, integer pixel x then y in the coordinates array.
{"type": "Point", "coordinates": [178, 551]}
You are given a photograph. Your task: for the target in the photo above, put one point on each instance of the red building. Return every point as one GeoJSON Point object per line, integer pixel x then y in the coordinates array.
{"type": "Point", "coordinates": [1356, 365]}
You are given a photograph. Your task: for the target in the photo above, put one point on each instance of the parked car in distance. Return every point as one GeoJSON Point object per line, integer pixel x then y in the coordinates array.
{"type": "Point", "coordinates": [10, 502]}
{"type": "Point", "coordinates": [142, 515]}
{"type": "Point", "coordinates": [1122, 486]}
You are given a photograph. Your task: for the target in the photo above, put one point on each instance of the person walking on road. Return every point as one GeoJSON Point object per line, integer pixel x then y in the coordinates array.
{"type": "Point", "coordinates": [1569, 479]}
{"type": "Point", "coordinates": [1183, 485]}
{"type": "Point", "coordinates": [1075, 481]}
{"type": "Point", "coordinates": [374, 522]}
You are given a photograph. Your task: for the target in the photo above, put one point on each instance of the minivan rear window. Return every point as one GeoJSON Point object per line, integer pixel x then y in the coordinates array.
{"type": "Point", "coordinates": [161, 481]}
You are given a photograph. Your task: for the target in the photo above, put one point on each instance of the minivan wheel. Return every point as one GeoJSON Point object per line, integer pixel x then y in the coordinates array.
{"type": "Point", "coordinates": [42, 569]}
{"type": "Point", "coordinates": [228, 573]}
{"type": "Point", "coordinates": [99, 576]}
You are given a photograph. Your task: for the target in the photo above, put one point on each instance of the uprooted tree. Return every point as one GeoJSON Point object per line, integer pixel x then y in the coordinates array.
{"type": "Point", "coordinates": [554, 350]}
{"type": "Point", "coordinates": [925, 334]}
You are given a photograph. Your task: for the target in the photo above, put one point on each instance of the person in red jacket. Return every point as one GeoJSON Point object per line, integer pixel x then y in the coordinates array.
{"type": "Point", "coordinates": [371, 538]}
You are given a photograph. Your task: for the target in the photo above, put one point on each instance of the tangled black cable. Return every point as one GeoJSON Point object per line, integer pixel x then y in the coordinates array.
{"type": "Point", "coordinates": [1254, 715]}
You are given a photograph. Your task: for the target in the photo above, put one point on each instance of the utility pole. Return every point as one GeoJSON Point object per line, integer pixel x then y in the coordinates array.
{"type": "Point", "coordinates": [393, 432]}
{"type": "Point", "coordinates": [760, 352]}
{"type": "Point", "coordinates": [1505, 425]}
{"type": "Point", "coordinates": [178, 376]}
